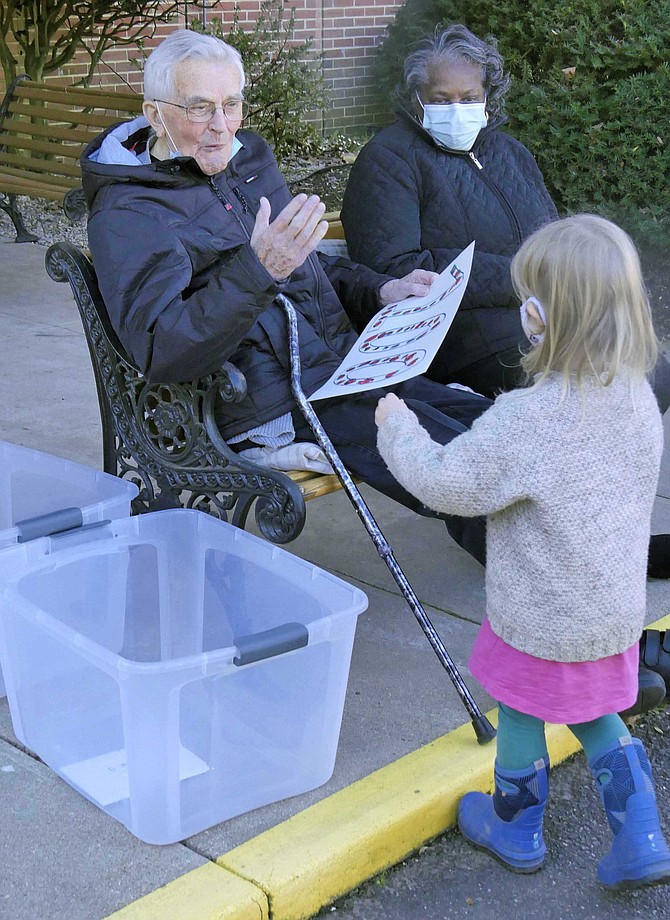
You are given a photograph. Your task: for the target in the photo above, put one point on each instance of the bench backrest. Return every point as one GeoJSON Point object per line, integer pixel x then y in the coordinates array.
{"type": "Point", "coordinates": [44, 128]}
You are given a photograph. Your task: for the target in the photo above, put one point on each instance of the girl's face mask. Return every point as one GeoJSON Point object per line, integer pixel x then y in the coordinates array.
{"type": "Point", "coordinates": [533, 327]}
{"type": "Point", "coordinates": [456, 125]}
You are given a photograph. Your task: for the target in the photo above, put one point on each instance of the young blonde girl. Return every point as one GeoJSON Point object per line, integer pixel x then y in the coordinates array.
{"type": "Point", "coordinates": [566, 471]}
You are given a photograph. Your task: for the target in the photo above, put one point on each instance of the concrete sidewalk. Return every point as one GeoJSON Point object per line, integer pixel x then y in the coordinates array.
{"type": "Point", "coordinates": [402, 762]}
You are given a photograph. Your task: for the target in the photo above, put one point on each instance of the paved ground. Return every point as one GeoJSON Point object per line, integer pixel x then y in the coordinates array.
{"type": "Point", "coordinates": [61, 857]}
{"type": "Point", "coordinates": [448, 879]}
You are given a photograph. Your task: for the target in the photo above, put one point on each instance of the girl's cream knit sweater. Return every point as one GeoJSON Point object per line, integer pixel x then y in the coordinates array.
{"type": "Point", "coordinates": [568, 482]}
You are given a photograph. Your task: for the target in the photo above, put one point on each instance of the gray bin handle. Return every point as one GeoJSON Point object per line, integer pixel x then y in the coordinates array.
{"type": "Point", "coordinates": [270, 642]}
{"type": "Point", "coordinates": [45, 525]}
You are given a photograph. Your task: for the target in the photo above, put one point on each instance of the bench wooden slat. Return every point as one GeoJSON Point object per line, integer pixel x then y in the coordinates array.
{"type": "Point", "coordinates": [302, 475]}
{"type": "Point", "coordinates": [64, 182]}
{"type": "Point", "coordinates": [45, 168]}
{"type": "Point", "coordinates": [314, 485]}
{"type": "Point", "coordinates": [13, 186]}
{"type": "Point", "coordinates": [53, 127]}
{"type": "Point", "coordinates": [319, 485]}
{"type": "Point", "coordinates": [18, 131]}
{"type": "Point", "coordinates": [335, 229]}
{"type": "Point", "coordinates": [58, 150]}
{"type": "Point", "coordinates": [118, 102]}
{"type": "Point", "coordinates": [67, 116]}
{"type": "Point", "coordinates": [118, 99]}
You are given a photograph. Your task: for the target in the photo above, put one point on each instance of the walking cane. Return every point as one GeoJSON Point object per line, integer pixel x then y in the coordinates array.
{"type": "Point", "coordinates": [484, 731]}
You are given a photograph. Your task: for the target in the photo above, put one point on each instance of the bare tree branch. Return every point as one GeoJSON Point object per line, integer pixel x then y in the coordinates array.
{"type": "Point", "coordinates": [50, 32]}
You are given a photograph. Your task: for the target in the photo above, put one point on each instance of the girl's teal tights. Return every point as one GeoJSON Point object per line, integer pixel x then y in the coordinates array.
{"type": "Point", "coordinates": [521, 738]}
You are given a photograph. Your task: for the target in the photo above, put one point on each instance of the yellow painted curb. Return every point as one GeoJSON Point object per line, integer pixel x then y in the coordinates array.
{"type": "Point", "coordinates": [205, 893]}
{"type": "Point", "coordinates": [333, 846]}
{"type": "Point", "coordinates": [663, 623]}
{"type": "Point", "coordinates": [292, 870]}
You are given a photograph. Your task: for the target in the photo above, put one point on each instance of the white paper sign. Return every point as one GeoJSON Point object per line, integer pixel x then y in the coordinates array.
{"type": "Point", "coordinates": [402, 339]}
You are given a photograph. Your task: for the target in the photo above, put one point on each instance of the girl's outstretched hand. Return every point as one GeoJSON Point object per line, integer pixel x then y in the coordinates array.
{"type": "Point", "coordinates": [386, 406]}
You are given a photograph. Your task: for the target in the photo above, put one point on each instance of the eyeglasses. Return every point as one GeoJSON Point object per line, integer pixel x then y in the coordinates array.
{"type": "Point", "coordinates": [201, 112]}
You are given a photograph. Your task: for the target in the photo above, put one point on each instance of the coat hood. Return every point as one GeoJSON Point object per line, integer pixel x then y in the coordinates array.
{"type": "Point", "coordinates": [123, 148]}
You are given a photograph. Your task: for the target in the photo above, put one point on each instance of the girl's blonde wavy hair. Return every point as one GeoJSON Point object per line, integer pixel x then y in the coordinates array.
{"type": "Point", "coordinates": [586, 273]}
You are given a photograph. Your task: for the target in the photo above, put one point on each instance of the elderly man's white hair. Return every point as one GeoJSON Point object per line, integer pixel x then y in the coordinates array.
{"type": "Point", "coordinates": [179, 46]}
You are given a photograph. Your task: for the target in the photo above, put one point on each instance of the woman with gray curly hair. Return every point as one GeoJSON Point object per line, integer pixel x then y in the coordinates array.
{"type": "Point", "coordinates": [456, 45]}
{"type": "Point", "coordinates": [442, 175]}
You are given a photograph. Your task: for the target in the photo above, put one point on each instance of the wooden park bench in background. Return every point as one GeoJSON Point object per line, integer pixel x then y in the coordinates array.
{"type": "Point", "coordinates": [164, 437]}
{"type": "Point", "coordinates": [43, 130]}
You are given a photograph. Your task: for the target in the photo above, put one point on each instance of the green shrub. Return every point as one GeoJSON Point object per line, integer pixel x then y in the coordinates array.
{"type": "Point", "coordinates": [284, 83]}
{"type": "Point", "coordinates": [590, 94]}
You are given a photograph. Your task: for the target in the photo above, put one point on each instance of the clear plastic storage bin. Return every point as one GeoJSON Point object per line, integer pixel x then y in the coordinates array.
{"type": "Point", "coordinates": [35, 484]}
{"type": "Point", "coordinates": [174, 669]}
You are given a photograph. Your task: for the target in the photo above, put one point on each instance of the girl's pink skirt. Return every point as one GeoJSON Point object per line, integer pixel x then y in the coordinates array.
{"type": "Point", "coordinates": [565, 693]}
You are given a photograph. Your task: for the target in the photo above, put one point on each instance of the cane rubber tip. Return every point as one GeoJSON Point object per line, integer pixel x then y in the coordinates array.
{"type": "Point", "coordinates": [484, 731]}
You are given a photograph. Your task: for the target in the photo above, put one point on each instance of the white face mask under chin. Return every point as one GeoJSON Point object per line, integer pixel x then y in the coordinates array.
{"type": "Point", "coordinates": [457, 125]}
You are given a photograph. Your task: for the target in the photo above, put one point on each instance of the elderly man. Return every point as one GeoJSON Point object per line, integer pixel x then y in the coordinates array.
{"type": "Point", "coordinates": [193, 233]}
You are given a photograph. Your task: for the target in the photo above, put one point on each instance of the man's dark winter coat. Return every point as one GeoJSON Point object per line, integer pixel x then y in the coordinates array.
{"type": "Point", "coordinates": [185, 291]}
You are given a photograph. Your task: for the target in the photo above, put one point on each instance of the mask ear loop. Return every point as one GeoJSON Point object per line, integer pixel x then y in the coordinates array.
{"type": "Point", "coordinates": [535, 338]}
{"type": "Point", "coordinates": [538, 306]}
{"type": "Point", "coordinates": [420, 117]}
{"type": "Point", "coordinates": [175, 149]}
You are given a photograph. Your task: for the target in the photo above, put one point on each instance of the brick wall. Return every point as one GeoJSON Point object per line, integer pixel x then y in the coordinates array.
{"type": "Point", "coordinates": [345, 32]}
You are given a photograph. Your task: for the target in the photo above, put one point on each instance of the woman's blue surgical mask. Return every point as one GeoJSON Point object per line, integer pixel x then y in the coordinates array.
{"type": "Point", "coordinates": [455, 125]}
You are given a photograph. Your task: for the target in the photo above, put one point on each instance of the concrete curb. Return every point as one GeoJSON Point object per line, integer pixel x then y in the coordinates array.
{"type": "Point", "coordinates": [294, 869]}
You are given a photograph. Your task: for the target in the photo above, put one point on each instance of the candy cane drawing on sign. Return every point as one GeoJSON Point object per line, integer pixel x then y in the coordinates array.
{"type": "Point", "coordinates": [402, 339]}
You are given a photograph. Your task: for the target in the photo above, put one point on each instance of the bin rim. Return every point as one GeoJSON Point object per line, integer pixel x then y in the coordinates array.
{"type": "Point", "coordinates": [207, 663]}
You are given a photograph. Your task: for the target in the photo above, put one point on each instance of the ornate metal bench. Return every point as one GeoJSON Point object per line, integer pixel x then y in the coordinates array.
{"type": "Point", "coordinates": [164, 438]}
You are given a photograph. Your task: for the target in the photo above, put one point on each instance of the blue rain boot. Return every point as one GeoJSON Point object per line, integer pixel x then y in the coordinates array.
{"type": "Point", "coordinates": [509, 823]}
{"type": "Point", "coordinates": [639, 854]}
